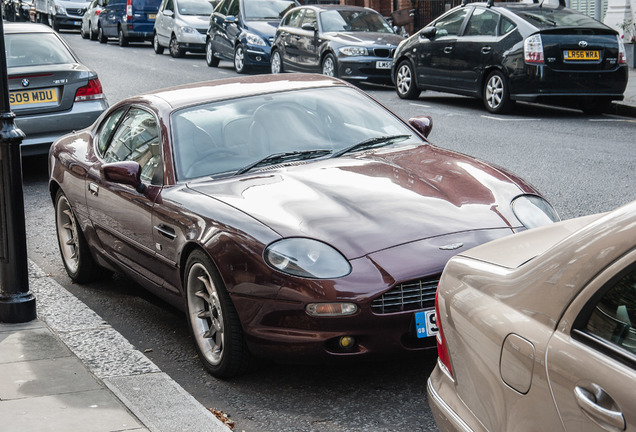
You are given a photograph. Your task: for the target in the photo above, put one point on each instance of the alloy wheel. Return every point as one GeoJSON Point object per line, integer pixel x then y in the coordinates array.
{"type": "Point", "coordinates": [67, 234]}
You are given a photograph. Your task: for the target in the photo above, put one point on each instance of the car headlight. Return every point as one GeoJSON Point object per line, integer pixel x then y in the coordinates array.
{"type": "Point", "coordinates": [254, 39]}
{"type": "Point", "coordinates": [354, 51]}
{"type": "Point", "coordinates": [533, 211]}
{"type": "Point", "coordinates": [306, 258]}
{"type": "Point", "coordinates": [187, 29]}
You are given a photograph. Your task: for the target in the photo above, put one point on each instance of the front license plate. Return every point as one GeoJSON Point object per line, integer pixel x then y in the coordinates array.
{"type": "Point", "coordinates": [383, 64]}
{"type": "Point", "coordinates": [33, 97]}
{"type": "Point", "coordinates": [581, 55]}
{"type": "Point", "coordinates": [426, 324]}
{"type": "Point", "coordinates": [152, 16]}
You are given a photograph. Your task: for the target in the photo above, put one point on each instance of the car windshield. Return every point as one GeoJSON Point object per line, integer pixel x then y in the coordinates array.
{"type": "Point", "coordinates": [267, 9]}
{"type": "Point", "coordinates": [190, 7]}
{"type": "Point", "coordinates": [222, 138]}
{"type": "Point", "coordinates": [33, 49]}
{"type": "Point", "coordinates": [546, 17]}
{"type": "Point", "coordinates": [353, 21]}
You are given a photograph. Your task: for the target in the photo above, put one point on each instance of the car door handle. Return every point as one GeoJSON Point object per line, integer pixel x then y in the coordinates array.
{"type": "Point", "coordinates": [448, 49]}
{"type": "Point", "coordinates": [486, 50]}
{"type": "Point", "coordinates": [166, 231]}
{"type": "Point", "coordinates": [590, 401]}
{"type": "Point", "coordinates": [93, 189]}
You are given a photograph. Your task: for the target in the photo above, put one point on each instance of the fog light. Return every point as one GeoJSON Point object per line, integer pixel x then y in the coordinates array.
{"type": "Point", "coordinates": [259, 58]}
{"type": "Point", "coordinates": [347, 341]}
{"type": "Point", "coordinates": [348, 71]}
{"type": "Point", "coordinates": [331, 309]}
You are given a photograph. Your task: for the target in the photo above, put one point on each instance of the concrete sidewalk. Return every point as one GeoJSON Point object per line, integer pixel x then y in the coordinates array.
{"type": "Point", "coordinates": [70, 371]}
{"type": "Point", "coordinates": [627, 107]}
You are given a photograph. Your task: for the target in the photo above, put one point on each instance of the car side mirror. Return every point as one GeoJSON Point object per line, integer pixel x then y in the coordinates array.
{"type": "Point", "coordinates": [168, 13]}
{"type": "Point", "coordinates": [428, 32]}
{"type": "Point", "coordinates": [308, 27]}
{"type": "Point", "coordinates": [422, 124]}
{"type": "Point", "coordinates": [124, 172]}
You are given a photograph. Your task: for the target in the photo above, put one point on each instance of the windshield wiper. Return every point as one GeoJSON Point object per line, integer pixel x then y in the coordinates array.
{"type": "Point", "coordinates": [371, 143]}
{"type": "Point", "coordinates": [277, 158]}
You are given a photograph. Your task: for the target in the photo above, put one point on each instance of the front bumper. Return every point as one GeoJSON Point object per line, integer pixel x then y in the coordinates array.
{"type": "Point", "coordinates": [68, 21]}
{"type": "Point", "coordinates": [365, 68]}
{"type": "Point", "coordinates": [258, 56]}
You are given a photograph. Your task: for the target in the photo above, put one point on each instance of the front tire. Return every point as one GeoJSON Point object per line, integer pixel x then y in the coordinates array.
{"type": "Point", "coordinates": [276, 62]}
{"type": "Point", "coordinates": [405, 84]}
{"type": "Point", "coordinates": [212, 318]}
{"type": "Point", "coordinates": [210, 58]}
{"type": "Point", "coordinates": [101, 37]}
{"type": "Point", "coordinates": [496, 94]}
{"type": "Point", "coordinates": [329, 66]}
{"type": "Point", "coordinates": [175, 49]}
{"type": "Point", "coordinates": [239, 60]}
{"type": "Point", "coordinates": [76, 256]}
{"type": "Point", "coordinates": [156, 46]}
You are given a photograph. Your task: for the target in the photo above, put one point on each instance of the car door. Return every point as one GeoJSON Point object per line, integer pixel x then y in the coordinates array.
{"type": "Point", "coordinates": [225, 26]}
{"type": "Point", "coordinates": [433, 56]}
{"type": "Point", "coordinates": [120, 214]}
{"type": "Point", "coordinates": [591, 358]}
{"type": "Point", "coordinates": [307, 39]}
{"type": "Point", "coordinates": [289, 38]}
{"type": "Point", "coordinates": [109, 17]}
{"type": "Point", "coordinates": [165, 21]}
{"type": "Point", "coordinates": [474, 49]}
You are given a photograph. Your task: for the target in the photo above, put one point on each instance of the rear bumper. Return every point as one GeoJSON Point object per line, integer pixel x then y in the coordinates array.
{"type": "Point", "coordinates": [543, 83]}
{"type": "Point", "coordinates": [449, 412]}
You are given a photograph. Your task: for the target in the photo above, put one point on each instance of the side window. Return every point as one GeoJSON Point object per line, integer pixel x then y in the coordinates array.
{"type": "Point", "coordinates": [170, 5]}
{"type": "Point", "coordinates": [222, 7]}
{"type": "Point", "coordinates": [506, 26]}
{"type": "Point", "coordinates": [106, 130]}
{"type": "Point", "coordinates": [294, 18]}
{"type": "Point", "coordinates": [137, 139]}
{"type": "Point", "coordinates": [614, 316]}
{"type": "Point", "coordinates": [482, 22]}
{"type": "Point", "coordinates": [450, 24]}
{"type": "Point", "coordinates": [310, 18]}
{"type": "Point", "coordinates": [233, 9]}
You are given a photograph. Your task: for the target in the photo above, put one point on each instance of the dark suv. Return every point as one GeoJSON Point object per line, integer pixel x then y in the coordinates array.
{"type": "Point", "coordinates": [242, 31]}
{"type": "Point", "coordinates": [504, 52]}
{"type": "Point", "coordinates": [127, 20]}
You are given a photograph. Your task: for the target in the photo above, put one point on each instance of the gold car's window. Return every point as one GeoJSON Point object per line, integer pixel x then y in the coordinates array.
{"type": "Point", "coordinates": [137, 139]}
{"type": "Point", "coordinates": [450, 24]}
{"type": "Point", "coordinates": [614, 316]}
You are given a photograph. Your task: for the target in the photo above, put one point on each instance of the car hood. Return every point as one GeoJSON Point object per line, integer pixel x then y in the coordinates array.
{"type": "Point", "coordinates": [366, 38]}
{"type": "Point", "coordinates": [196, 21]}
{"type": "Point", "coordinates": [365, 204]}
{"type": "Point", "coordinates": [263, 28]}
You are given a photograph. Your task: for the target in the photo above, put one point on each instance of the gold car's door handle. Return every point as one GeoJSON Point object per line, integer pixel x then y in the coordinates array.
{"type": "Point", "coordinates": [93, 189]}
{"type": "Point", "coordinates": [591, 404]}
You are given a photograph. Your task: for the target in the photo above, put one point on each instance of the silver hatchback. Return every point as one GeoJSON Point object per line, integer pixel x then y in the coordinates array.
{"type": "Point", "coordinates": [50, 91]}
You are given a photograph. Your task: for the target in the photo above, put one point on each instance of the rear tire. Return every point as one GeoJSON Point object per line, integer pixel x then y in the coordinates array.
{"type": "Point", "coordinates": [156, 46]}
{"type": "Point", "coordinates": [93, 35]}
{"type": "Point", "coordinates": [122, 39]}
{"type": "Point", "coordinates": [83, 33]}
{"type": "Point", "coordinates": [496, 94]}
{"type": "Point", "coordinates": [101, 37]}
{"type": "Point", "coordinates": [405, 84]}
{"type": "Point", "coordinates": [210, 58]}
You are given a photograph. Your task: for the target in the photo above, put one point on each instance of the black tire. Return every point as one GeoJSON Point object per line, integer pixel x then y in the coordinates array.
{"type": "Point", "coordinates": [175, 49]}
{"type": "Point", "coordinates": [55, 25]}
{"type": "Point", "coordinates": [210, 59]}
{"type": "Point", "coordinates": [276, 63]}
{"type": "Point", "coordinates": [405, 84]}
{"type": "Point", "coordinates": [101, 37]}
{"type": "Point", "coordinates": [329, 67]}
{"type": "Point", "coordinates": [76, 256]}
{"type": "Point", "coordinates": [83, 33]}
{"type": "Point", "coordinates": [212, 318]}
{"type": "Point", "coordinates": [239, 60]}
{"type": "Point", "coordinates": [93, 35]}
{"type": "Point", "coordinates": [155, 45]}
{"type": "Point", "coordinates": [121, 38]}
{"type": "Point", "coordinates": [496, 94]}
{"type": "Point", "coordinates": [596, 106]}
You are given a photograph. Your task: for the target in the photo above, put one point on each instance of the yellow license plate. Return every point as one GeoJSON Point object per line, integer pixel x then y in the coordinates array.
{"type": "Point", "coordinates": [30, 97]}
{"type": "Point", "coordinates": [581, 55]}
{"type": "Point", "coordinates": [152, 16]}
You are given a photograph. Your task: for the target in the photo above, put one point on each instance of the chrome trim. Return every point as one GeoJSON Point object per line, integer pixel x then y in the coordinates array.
{"type": "Point", "coordinates": [446, 409]}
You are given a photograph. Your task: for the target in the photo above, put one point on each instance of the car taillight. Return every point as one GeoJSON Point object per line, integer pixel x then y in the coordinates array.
{"type": "Point", "coordinates": [91, 91]}
{"type": "Point", "coordinates": [622, 55]}
{"type": "Point", "coordinates": [533, 49]}
{"type": "Point", "coordinates": [442, 348]}
{"type": "Point", "coordinates": [97, 12]}
{"type": "Point", "coordinates": [129, 10]}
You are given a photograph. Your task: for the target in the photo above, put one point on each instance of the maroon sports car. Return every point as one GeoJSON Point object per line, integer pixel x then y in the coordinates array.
{"type": "Point", "coordinates": [290, 216]}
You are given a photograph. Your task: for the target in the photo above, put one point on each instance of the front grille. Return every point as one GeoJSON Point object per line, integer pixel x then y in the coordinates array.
{"type": "Point", "coordinates": [202, 30]}
{"type": "Point", "coordinates": [412, 295]}
{"type": "Point", "coordinates": [383, 52]}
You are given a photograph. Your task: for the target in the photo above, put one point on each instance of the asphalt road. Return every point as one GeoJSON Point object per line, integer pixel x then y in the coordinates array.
{"type": "Point", "coordinates": [583, 164]}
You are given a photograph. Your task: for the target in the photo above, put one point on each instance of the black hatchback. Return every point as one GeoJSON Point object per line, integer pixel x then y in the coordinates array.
{"type": "Point", "coordinates": [505, 52]}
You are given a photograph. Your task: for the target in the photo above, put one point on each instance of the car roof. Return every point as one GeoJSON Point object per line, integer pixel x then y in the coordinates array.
{"type": "Point", "coordinates": [337, 7]}
{"type": "Point", "coordinates": [10, 28]}
{"type": "Point", "coordinates": [229, 88]}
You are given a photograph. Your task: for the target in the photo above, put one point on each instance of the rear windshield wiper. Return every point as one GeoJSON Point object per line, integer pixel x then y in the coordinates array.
{"type": "Point", "coordinates": [277, 158]}
{"type": "Point", "coordinates": [371, 143]}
